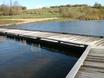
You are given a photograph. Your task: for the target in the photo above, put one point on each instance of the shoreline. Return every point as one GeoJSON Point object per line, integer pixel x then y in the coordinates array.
{"type": "Point", "coordinates": [31, 20]}
{"type": "Point", "coordinates": [24, 21]}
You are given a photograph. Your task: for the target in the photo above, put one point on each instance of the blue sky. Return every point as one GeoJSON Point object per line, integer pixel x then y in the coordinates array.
{"type": "Point", "coordinates": [45, 3]}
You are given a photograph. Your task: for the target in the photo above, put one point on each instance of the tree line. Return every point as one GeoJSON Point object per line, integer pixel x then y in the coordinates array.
{"type": "Point", "coordinates": [15, 9]}
{"type": "Point", "coordinates": [96, 5]}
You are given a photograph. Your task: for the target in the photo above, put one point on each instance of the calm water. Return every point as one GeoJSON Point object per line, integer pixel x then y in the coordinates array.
{"type": "Point", "coordinates": [77, 27]}
{"type": "Point", "coordinates": [21, 60]}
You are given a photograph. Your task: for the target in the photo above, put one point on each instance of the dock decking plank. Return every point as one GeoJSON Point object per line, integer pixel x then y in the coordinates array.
{"type": "Point", "coordinates": [93, 65]}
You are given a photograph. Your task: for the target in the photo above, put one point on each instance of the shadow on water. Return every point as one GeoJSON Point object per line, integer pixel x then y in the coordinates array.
{"type": "Point", "coordinates": [48, 59]}
{"type": "Point", "coordinates": [66, 49]}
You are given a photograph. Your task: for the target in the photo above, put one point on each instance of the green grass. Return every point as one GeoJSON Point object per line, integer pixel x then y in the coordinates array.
{"type": "Point", "coordinates": [26, 16]}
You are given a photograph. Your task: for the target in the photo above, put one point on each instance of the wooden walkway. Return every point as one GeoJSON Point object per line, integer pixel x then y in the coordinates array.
{"type": "Point", "coordinates": [92, 41]}
{"type": "Point", "coordinates": [93, 66]}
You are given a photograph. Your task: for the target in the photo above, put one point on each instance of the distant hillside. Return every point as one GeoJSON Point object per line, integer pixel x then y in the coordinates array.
{"type": "Point", "coordinates": [74, 12]}
{"type": "Point", "coordinates": [82, 12]}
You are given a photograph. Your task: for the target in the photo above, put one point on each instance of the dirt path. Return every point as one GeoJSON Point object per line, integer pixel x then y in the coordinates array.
{"type": "Point", "coordinates": [22, 21]}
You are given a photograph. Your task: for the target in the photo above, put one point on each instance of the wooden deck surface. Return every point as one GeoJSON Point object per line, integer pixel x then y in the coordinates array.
{"type": "Point", "coordinates": [93, 66]}
{"type": "Point", "coordinates": [93, 41]}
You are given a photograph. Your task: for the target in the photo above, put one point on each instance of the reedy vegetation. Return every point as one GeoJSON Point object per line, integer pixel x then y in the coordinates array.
{"type": "Point", "coordinates": [82, 12]}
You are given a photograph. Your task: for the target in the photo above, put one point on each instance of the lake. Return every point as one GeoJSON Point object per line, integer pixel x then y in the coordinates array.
{"type": "Point", "coordinates": [95, 28]}
{"type": "Point", "coordinates": [19, 59]}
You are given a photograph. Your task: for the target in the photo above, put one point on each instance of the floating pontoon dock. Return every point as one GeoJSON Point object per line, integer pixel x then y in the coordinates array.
{"type": "Point", "coordinates": [91, 62]}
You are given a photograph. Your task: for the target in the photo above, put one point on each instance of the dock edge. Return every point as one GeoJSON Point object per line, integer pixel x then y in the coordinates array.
{"type": "Point", "coordinates": [79, 63]}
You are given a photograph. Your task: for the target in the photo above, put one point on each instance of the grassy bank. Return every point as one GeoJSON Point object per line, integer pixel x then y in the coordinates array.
{"type": "Point", "coordinates": [29, 16]}
{"type": "Point", "coordinates": [7, 21]}
{"type": "Point", "coordinates": [79, 13]}
{"type": "Point", "coordinates": [69, 12]}
{"type": "Point", "coordinates": [63, 13]}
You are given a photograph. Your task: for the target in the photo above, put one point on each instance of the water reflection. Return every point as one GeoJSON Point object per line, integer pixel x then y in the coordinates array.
{"type": "Point", "coordinates": [21, 60]}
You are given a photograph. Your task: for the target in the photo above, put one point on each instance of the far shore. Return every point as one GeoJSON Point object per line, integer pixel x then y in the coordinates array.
{"type": "Point", "coordinates": [23, 21]}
